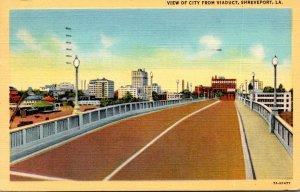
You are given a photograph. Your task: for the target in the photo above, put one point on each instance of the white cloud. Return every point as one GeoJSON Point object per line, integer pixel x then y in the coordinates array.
{"type": "Point", "coordinates": [210, 46]}
{"type": "Point", "coordinates": [258, 51]}
{"type": "Point", "coordinates": [28, 40]}
{"type": "Point", "coordinates": [106, 41]}
{"type": "Point", "coordinates": [210, 42]}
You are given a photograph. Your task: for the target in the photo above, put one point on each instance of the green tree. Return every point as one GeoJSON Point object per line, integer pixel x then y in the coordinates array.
{"type": "Point", "coordinates": [70, 103]}
{"type": "Point", "coordinates": [280, 88]}
{"type": "Point", "coordinates": [250, 87]}
{"type": "Point", "coordinates": [268, 89]}
{"type": "Point", "coordinates": [186, 93]}
{"type": "Point", "coordinates": [154, 96]}
{"type": "Point", "coordinates": [128, 97]}
{"type": "Point", "coordinates": [219, 93]}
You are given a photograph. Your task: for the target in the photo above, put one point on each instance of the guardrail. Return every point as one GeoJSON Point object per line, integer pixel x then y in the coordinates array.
{"type": "Point", "coordinates": [277, 125]}
{"type": "Point", "coordinates": [31, 138]}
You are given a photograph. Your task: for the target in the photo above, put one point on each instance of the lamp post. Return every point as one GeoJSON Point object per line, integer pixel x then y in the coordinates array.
{"type": "Point", "coordinates": [275, 63]}
{"type": "Point", "coordinates": [253, 75]}
{"type": "Point", "coordinates": [76, 64]}
{"type": "Point", "coordinates": [151, 76]}
{"type": "Point", "coordinates": [246, 86]}
{"type": "Point", "coordinates": [191, 89]}
{"type": "Point", "coordinates": [177, 82]}
{"type": "Point", "coordinates": [242, 85]}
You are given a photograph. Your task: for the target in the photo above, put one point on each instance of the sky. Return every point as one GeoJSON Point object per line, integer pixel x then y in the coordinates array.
{"type": "Point", "coordinates": [189, 44]}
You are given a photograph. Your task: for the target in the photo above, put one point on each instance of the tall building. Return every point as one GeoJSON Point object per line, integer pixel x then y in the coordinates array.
{"type": "Point", "coordinates": [139, 78]}
{"type": "Point", "coordinates": [182, 85]}
{"type": "Point", "coordinates": [101, 88]}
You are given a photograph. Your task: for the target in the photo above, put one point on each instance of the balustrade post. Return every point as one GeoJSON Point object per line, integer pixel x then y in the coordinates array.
{"type": "Point", "coordinates": [80, 120]}
{"type": "Point", "coordinates": [41, 132]}
{"type": "Point", "coordinates": [24, 136]}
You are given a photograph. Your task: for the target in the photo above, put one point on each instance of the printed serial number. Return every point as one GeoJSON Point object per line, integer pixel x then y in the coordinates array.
{"type": "Point", "coordinates": [281, 182]}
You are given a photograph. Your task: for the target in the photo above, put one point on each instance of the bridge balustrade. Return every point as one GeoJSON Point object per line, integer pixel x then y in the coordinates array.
{"type": "Point", "coordinates": [278, 126]}
{"type": "Point", "coordinates": [34, 136]}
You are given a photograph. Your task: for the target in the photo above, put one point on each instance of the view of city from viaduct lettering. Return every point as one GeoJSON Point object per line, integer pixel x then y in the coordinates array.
{"type": "Point", "coordinates": [146, 94]}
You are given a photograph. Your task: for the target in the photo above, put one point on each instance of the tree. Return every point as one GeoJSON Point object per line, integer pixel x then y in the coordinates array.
{"type": "Point", "coordinates": [70, 103]}
{"type": "Point", "coordinates": [154, 96]}
{"type": "Point", "coordinates": [268, 89]}
{"type": "Point", "coordinates": [186, 93]}
{"type": "Point", "coordinates": [280, 88]}
{"type": "Point", "coordinates": [219, 93]}
{"type": "Point", "coordinates": [128, 97]}
{"type": "Point", "coordinates": [250, 87]}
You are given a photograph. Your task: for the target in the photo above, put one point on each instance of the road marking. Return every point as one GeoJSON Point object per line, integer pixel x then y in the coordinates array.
{"type": "Point", "coordinates": [119, 168]}
{"type": "Point", "coordinates": [250, 174]}
{"type": "Point", "coordinates": [35, 176]}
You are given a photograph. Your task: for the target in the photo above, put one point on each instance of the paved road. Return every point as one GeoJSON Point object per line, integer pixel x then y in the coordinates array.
{"type": "Point", "coordinates": [184, 142]}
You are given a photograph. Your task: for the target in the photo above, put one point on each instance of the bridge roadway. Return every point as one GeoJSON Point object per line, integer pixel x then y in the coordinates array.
{"type": "Point", "coordinates": [193, 141]}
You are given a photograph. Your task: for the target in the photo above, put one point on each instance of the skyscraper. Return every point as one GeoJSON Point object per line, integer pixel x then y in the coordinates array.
{"type": "Point", "coordinates": [139, 78]}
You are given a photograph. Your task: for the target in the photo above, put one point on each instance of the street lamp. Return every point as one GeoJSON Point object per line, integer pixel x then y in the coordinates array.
{"type": "Point", "coordinates": [76, 64]}
{"type": "Point", "coordinates": [275, 63]}
{"type": "Point", "coordinates": [242, 85]}
{"type": "Point", "coordinates": [253, 75]}
{"type": "Point", "coordinates": [177, 81]}
{"type": "Point", "coordinates": [151, 76]}
{"type": "Point", "coordinates": [246, 86]}
{"type": "Point", "coordinates": [191, 89]}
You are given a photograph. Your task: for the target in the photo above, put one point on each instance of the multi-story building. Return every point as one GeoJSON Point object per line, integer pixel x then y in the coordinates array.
{"type": "Point", "coordinates": [139, 78]}
{"type": "Point", "coordinates": [101, 88]}
{"type": "Point", "coordinates": [226, 86]}
{"type": "Point", "coordinates": [148, 90]}
{"type": "Point", "coordinates": [284, 100]}
{"type": "Point", "coordinates": [48, 88]}
{"type": "Point", "coordinates": [258, 85]}
{"type": "Point", "coordinates": [65, 86]}
{"type": "Point", "coordinates": [128, 88]}
{"type": "Point", "coordinates": [169, 96]}
{"type": "Point", "coordinates": [89, 102]}
{"type": "Point", "coordinates": [156, 88]}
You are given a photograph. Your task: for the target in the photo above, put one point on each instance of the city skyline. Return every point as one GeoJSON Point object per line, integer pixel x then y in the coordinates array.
{"type": "Point", "coordinates": [182, 44]}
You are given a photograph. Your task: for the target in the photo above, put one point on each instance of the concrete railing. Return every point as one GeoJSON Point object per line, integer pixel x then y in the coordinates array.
{"type": "Point", "coordinates": [277, 125]}
{"type": "Point", "coordinates": [32, 138]}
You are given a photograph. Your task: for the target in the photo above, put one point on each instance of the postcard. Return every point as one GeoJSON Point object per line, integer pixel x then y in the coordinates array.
{"type": "Point", "coordinates": [139, 95]}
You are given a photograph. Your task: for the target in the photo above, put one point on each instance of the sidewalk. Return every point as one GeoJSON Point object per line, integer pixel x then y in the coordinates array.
{"type": "Point", "coordinates": [270, 159]}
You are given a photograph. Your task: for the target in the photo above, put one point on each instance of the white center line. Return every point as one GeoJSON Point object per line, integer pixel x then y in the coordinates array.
{"type": "Point", "coordinates": [35, 176]}
{"type": "Point", "coordinates": [153, 141]}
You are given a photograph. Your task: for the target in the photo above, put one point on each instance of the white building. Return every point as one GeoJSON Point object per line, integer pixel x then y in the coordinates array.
{"type": "Point", "coordinates": [48, 88]}
{"type": "Point", "coordinates": [139, 78]}
{"type": "Point", "coordinates": [89, 102]}
{"type": "Point", "coordinates": [101, 88]}
{"type": "Point", "coordinates": [258, 85]}
{"type": "Point", "coordinates": [123, 90]}
{"type": "Point", "coordinates": [65, 86]}
{"type": "Point", "coordinates": [284, 100]}
{"type": "Point", "coordinates": [170, 96]}
{"type": "Point", "coordinates": [30, 100]}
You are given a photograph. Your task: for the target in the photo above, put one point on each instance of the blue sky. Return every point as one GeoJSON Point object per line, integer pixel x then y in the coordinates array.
{"type": "Point", "coordinates": [120, 40]}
